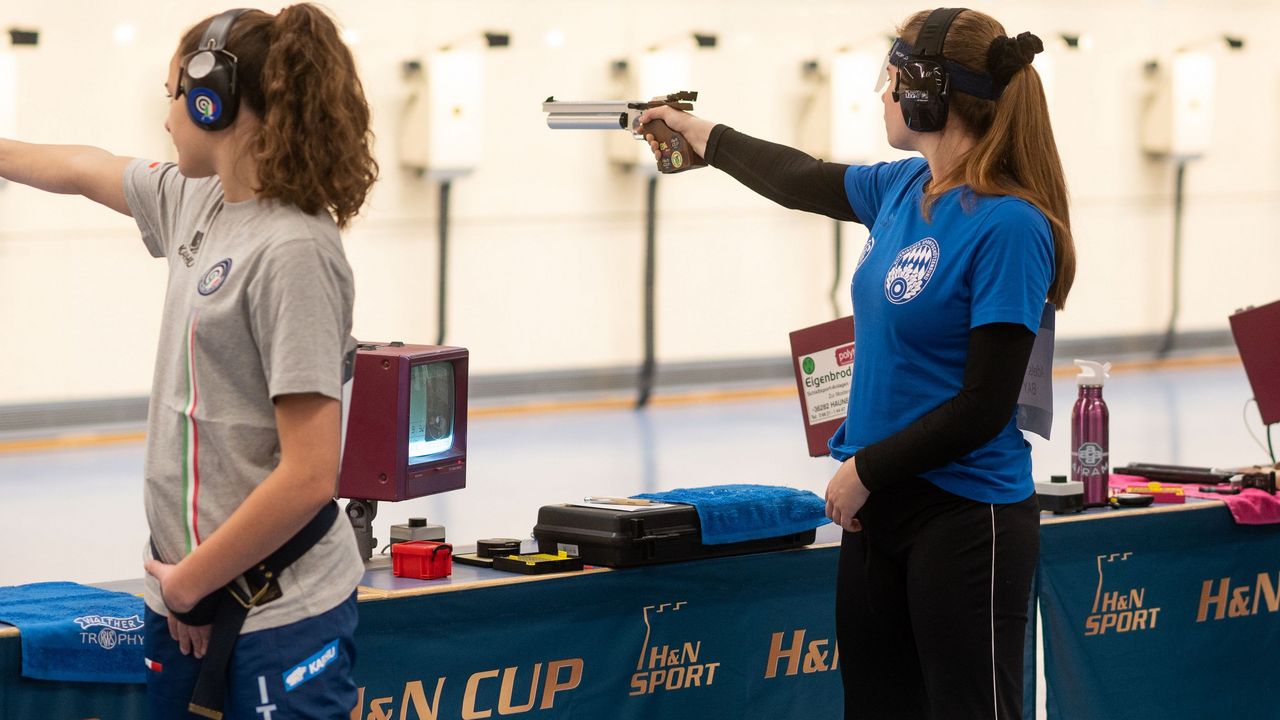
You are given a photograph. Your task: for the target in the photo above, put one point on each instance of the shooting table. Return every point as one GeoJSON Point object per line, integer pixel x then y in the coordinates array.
{"type": "Point", "coordinates": [1121, 594]}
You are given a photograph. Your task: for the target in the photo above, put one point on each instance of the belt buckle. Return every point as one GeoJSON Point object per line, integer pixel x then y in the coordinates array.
{"type": "Point", "coordinates": [267, 592]}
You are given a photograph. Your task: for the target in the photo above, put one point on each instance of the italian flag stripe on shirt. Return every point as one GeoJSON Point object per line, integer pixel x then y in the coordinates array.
{"type": "Point", "coordinates": [191, 444]}
{"type": "Point", "coordinates": [152, 665]}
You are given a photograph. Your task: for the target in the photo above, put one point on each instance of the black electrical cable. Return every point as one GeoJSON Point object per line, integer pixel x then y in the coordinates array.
{"type": "Point", "coordinates": [1244, 415]}
{"type": "Point", "coordinates": [1270, 447]}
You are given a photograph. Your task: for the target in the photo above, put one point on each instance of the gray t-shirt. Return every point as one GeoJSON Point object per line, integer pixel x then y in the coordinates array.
{"type": "Point", "coordinates": [258, 305]}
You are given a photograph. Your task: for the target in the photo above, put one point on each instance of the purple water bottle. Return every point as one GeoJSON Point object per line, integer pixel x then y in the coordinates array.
{"type": "Point", "coordinates": [1090, 460]}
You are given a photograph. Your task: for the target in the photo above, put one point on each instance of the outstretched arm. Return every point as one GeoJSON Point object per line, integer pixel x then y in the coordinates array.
{"type": "Point", "coordinates": [67, 169]}
{"type": "Point", "coordinates": [787, 176]}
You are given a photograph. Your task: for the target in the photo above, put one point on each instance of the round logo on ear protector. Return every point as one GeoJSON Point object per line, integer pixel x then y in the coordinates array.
{"type": "Point", "coordinates": [205, 105]}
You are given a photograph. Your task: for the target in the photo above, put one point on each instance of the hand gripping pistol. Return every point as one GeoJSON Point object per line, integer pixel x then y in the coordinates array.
{"type": "Point", "coordinates": [676, 155]}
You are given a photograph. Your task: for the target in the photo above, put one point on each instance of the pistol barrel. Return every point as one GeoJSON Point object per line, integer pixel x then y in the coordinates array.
{"type": "Point", "coordinates": [586, 121]}
{"type": "Point", "coordinates": [588, 115]}
{"type": "Point", "coordinates": [672, 151]}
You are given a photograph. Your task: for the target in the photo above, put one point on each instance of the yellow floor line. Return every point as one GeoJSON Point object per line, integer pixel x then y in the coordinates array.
{"type": "Point", "coordinates": [627, 402]}
{"type": "Point", "coordinates": [613, 403]}
{"type": "Point", "coordinates": [67, 442]}
{"type": "Point", "coordinates": [1198, 361]}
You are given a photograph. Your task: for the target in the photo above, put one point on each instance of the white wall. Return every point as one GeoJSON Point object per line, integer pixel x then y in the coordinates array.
{"type": "Point", "coordinates": [547, 241]}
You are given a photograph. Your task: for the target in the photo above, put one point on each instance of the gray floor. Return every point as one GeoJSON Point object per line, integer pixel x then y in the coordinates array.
{"type": "Point", "coordinates": [77, 514]}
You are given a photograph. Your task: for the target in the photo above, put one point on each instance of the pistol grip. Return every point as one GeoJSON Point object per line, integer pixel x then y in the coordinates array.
{"type": "Point", "coordinates": [676, 154]}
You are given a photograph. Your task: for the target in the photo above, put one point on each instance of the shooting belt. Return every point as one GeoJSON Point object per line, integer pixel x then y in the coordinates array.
{"type": "Point", "coordinates": [227, 608]}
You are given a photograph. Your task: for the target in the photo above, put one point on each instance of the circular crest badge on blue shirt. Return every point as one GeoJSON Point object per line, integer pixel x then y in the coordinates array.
{"type": "Point", "coordinates": [213, 279]}
{"type": "Point", "coordinates": [911, 271]}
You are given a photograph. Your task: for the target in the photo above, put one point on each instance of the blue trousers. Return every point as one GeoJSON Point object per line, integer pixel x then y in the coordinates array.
{"type": "Point", "coordinates": [301, 670]}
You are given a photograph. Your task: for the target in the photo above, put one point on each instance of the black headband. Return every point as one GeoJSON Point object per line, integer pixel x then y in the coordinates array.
{"type": "Point", "coordinates": [215, 36]}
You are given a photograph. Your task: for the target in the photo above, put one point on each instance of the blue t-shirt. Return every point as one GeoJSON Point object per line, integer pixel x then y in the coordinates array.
{"type": "Point", "coordinates": [918, 289]}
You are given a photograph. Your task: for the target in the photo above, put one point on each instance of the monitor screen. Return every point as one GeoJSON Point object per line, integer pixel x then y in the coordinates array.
{"type": "Point", "coordinates": [431, 410]}
{"type": "Point", "coordinates": [407, 428]}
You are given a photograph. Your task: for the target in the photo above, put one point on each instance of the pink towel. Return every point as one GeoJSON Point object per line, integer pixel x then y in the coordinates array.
{"type": "Point", "coordinates": [1250, 507]}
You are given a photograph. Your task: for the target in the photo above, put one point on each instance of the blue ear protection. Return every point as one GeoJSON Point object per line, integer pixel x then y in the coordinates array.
{"type": "Point", "coordinates": [208, 77]}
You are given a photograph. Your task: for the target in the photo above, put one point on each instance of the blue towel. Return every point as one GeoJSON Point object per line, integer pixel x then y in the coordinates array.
{"type": "Point", "coordinates": [735, 513]}
{"type": "Point", "coordinates": [75, 632]}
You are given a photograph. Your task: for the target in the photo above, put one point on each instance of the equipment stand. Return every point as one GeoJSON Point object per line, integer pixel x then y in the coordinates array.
{"type": "Point", "coordinates": [1175, 302]}
{"type": "Point", "coordinates": [361, 514]}
{"type": "Point", "coordinates": [650, 222]}
{"type": "Point", "coordinates": [839, 263]}
{"type": "Point", "coordinates": [443, 233]}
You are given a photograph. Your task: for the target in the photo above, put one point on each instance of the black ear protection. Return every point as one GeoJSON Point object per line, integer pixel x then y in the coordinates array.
{"type": "Point", "coordinates": [208, 77]}
{"type": "Point", "coordinates": [923, 81]}
{"type": "Point", "coordinates": [925, 78]}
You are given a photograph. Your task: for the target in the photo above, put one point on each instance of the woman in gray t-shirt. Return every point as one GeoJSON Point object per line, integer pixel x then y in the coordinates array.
{"type": "Point", "coordinates": [272, 131]}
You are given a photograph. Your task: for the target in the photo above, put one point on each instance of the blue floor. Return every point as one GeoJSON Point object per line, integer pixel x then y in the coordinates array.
{"type": "Point", "coordinates": [77, 514]}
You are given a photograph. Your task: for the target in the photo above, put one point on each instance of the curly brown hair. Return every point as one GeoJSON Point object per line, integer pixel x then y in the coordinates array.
{"type": "Point", "coordinates": [294, 72]}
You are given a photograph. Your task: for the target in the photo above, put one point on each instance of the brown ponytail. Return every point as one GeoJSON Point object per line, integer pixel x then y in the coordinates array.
{"type": "Point", "coordinates": [1016, 153]}
{"type": "Point", "coordinates": [314, 149]}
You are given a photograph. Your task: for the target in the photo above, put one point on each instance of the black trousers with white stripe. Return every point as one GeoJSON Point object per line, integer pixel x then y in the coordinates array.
{"type": "Point", "coordinates": [932, 601]}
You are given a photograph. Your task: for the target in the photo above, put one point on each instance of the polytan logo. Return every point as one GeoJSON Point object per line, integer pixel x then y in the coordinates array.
{"type": "Point", "coordinates": [844, 355]}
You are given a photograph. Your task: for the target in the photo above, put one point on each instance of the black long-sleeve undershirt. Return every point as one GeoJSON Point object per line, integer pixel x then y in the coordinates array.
{"type": "Point", "coordinates": [997, 353]}
{"type": "Point", "coordinates": [993, 373]}
{"type": "Point", "coordinates": [787, 176]}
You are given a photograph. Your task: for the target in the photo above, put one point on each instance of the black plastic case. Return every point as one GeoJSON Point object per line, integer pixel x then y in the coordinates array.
{"type": "Point", "coordinates": [617, 538]}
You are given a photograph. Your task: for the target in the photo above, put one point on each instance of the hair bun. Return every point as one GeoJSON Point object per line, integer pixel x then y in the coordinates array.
{"type": "Point", "coordinates": [1007, 55]}
{"type": "Point", "coordinates": [1029, 46]}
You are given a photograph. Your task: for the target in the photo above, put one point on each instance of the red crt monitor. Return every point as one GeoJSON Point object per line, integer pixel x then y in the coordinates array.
{"type": "Point", "coordinates": [1257, 335]}
{"type": "Point", "coordinates": [407, 423]}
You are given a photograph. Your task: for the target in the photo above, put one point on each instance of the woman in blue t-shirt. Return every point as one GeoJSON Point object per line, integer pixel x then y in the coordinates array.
{"type": "Point", "coordinates": [934, 489]}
